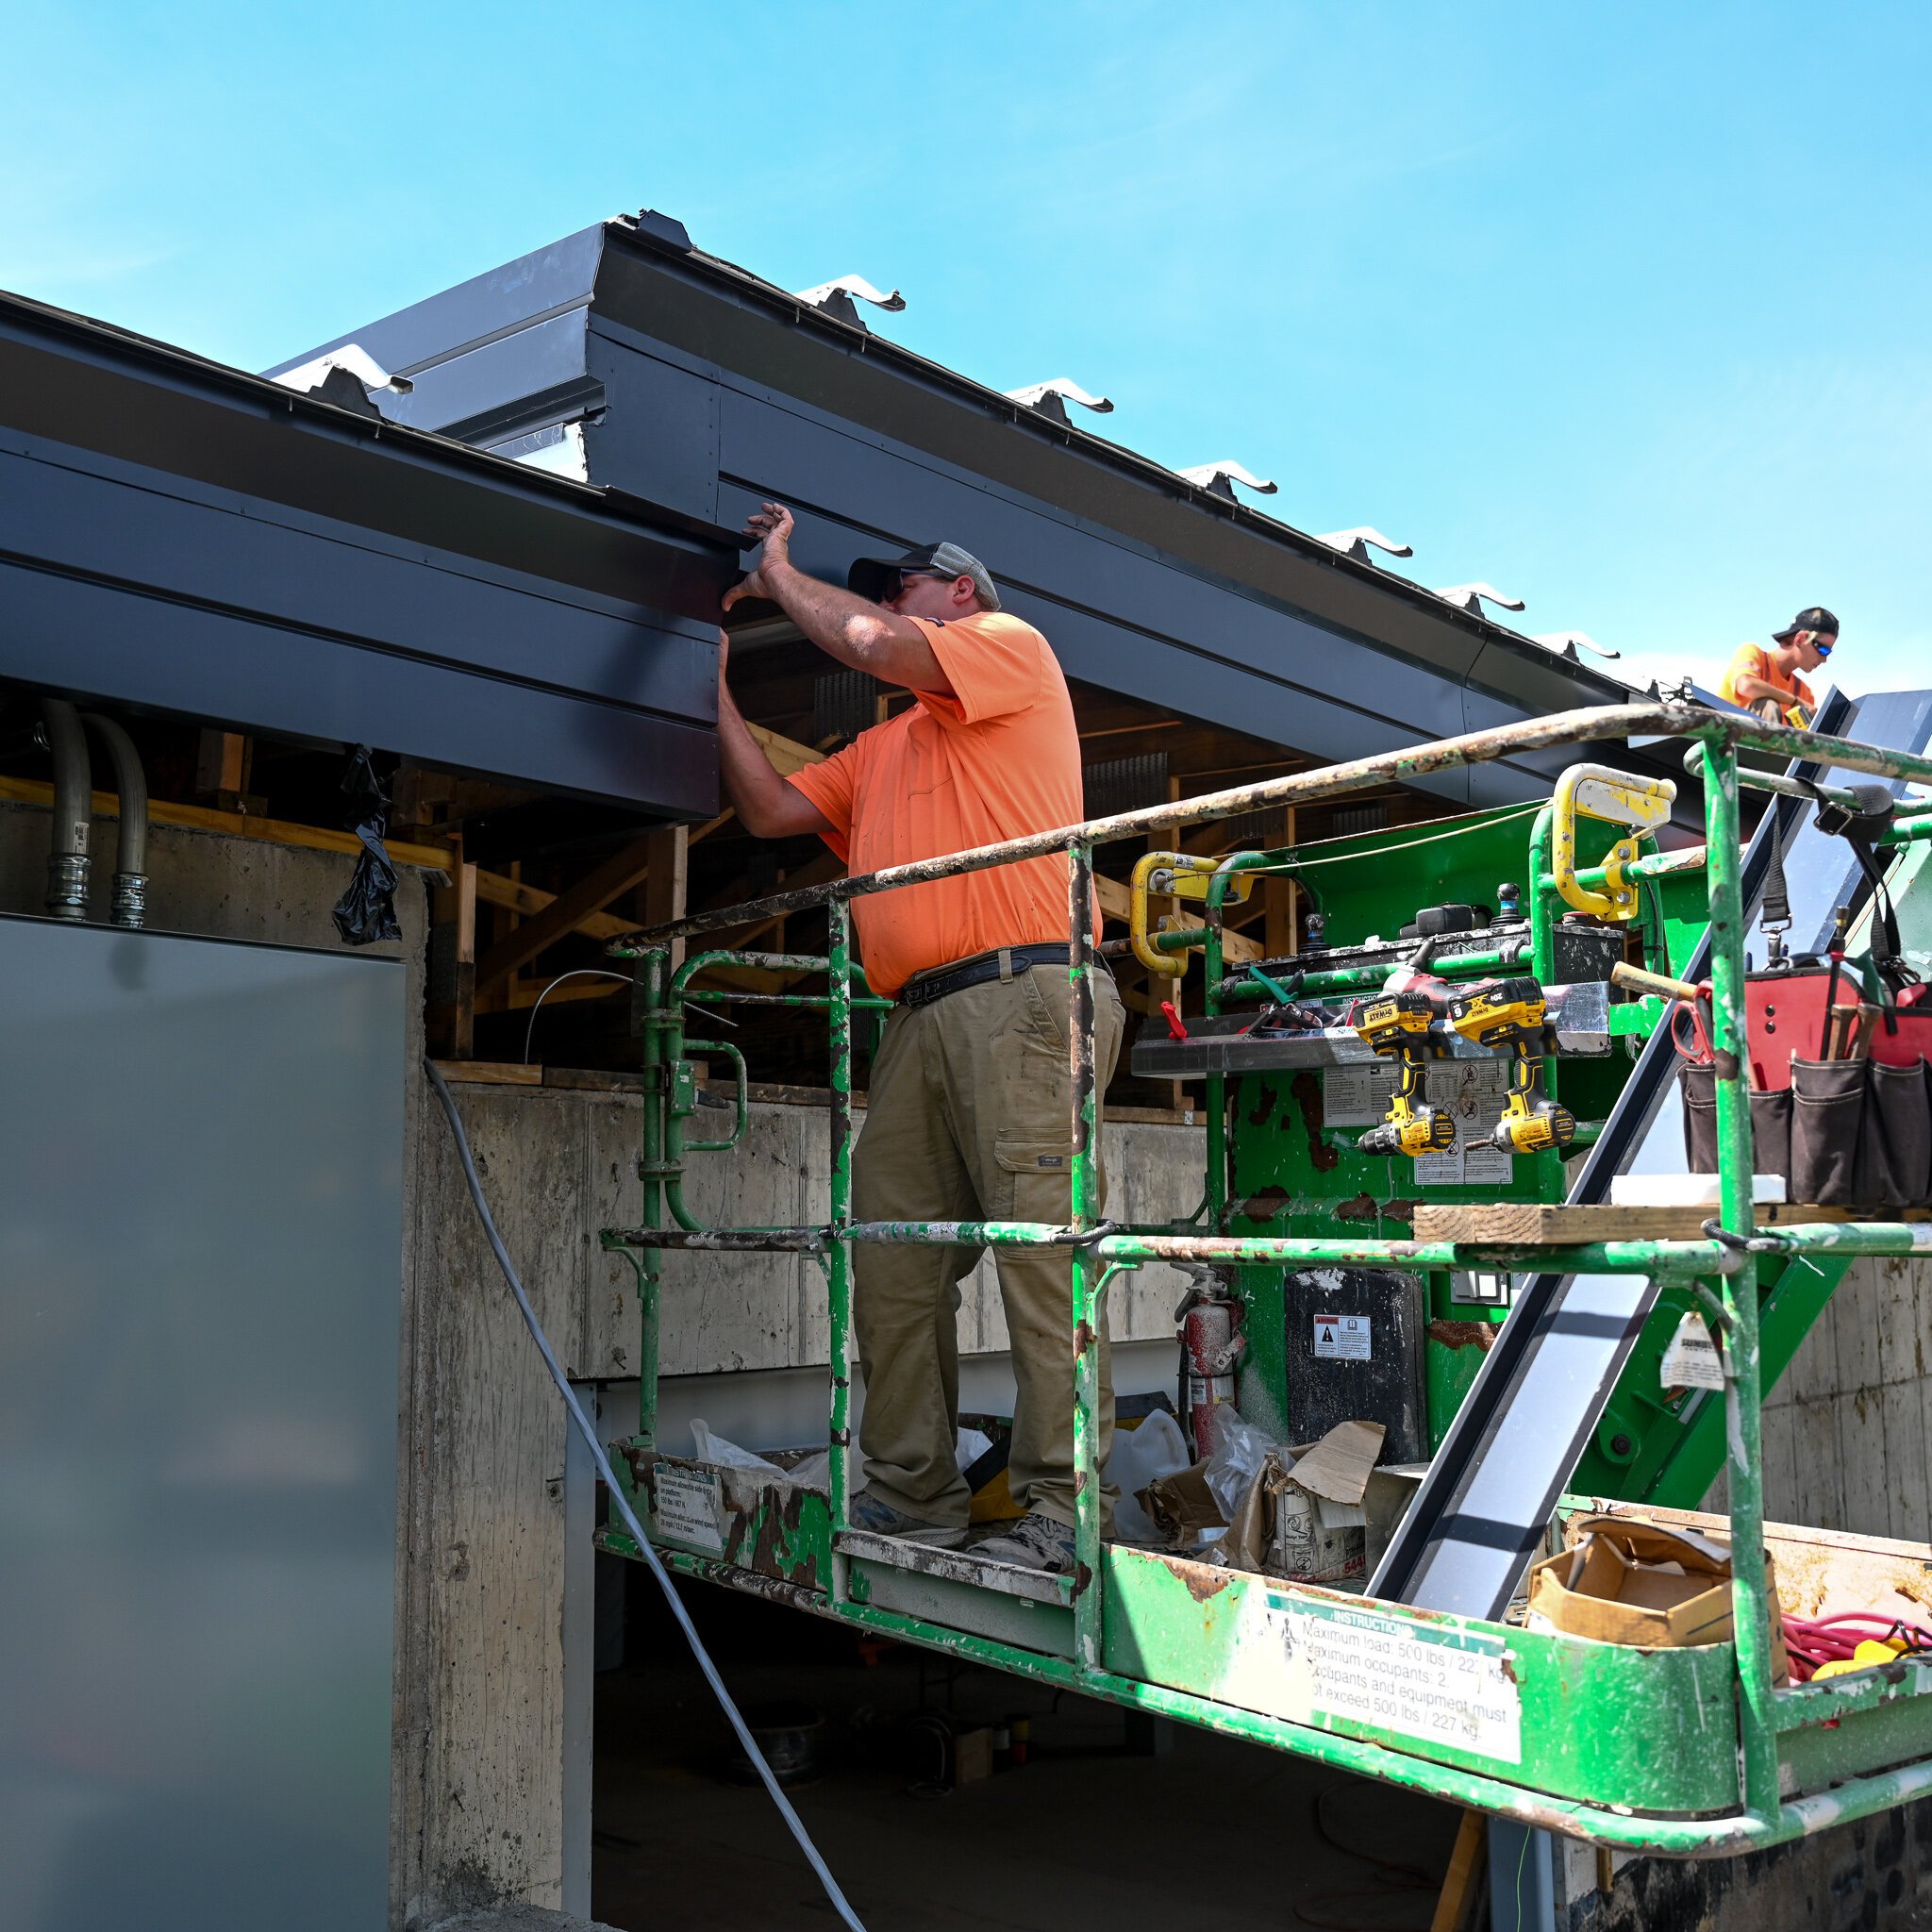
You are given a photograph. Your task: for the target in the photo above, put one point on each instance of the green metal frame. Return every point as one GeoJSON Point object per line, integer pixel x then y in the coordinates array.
{"type": "Point", "coordinates": [1677, 1753]}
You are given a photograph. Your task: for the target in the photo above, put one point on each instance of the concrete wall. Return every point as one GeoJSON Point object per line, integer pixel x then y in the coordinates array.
{"type": "Point", "coordinates": [486, 1628]}
{"type": "Point", "coordinates": [1847, 1427]}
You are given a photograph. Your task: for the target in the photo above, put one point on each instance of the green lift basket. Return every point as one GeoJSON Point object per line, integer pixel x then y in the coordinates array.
{"type": "Point", "coordinates": [1688, 1752]}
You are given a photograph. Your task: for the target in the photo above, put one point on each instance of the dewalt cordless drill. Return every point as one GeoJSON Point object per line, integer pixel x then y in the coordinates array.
{"type": "Point", "coordinates": [1396, 1026]}
{"type": "Point", "coordinates": [1508, 1015]}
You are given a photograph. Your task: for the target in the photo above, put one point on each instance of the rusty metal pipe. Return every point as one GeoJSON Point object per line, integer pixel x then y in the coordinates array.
{"type": "Point", "coordinates": [67, 862]}
{"type": "Point", "coordinates": [1596, 725]}
{"type": "Point", "coordinates": [131, 846]}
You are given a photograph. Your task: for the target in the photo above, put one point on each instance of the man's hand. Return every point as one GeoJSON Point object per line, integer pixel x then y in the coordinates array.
{"type": "Point", "coordinates": [771, 526]}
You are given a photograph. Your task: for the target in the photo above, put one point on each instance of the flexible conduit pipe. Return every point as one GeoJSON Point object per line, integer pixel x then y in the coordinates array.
{"type": "Point", "coordinates": [67, 863]}
{"type": "Point", "coordinates": [130, 849]}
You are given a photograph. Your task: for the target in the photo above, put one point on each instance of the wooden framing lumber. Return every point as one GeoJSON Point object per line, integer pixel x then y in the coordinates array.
{"type": "Point", "coordinates": [617, 875]}
{"type": "Point", "coordinates": [235, 824]}
{"type": "Point", "coordinates": [1527, 1221]}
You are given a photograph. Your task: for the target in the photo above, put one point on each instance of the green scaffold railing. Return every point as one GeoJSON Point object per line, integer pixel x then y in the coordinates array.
{"type": "Point", "coordinates": [1676, 1753]}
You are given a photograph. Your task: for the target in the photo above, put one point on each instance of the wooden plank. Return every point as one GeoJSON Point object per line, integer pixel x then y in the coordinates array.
{"type": "Point", "coordinates": [453, 1023]}
{"type": "Point", "coordinates": [786, 754]}
{"type": "Point", "coordinates": [235, 824]}
{"type": "Point", "coordinates": [221, 762]}
{"type": "Point", "coordinates": [1460, 1883]}
{"type": "Point", "coordinates": [663, 896]}
{"type": "Point", "coordinates": [492, 888]}
{"type": "Point", "coordinates": [1531, 1221]}
{"type": "Point", "coordinates": [817, 870]}
{"type": "Point", "coordinates": [1116, 903]}
{"type": "Point", "coordinates": [489, 1073]}
{"type": "Point", "coordinates": [617, 875]}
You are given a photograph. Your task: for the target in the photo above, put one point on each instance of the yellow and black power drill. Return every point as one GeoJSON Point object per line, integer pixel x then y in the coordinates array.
{"type": "Point", "coordinates": [1511, 1016]}
{"type": "Point", "coordinates": [1396, 1026]}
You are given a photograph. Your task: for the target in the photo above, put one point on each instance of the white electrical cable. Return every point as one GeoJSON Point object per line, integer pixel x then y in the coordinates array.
{"type": "Point", "coordinates": [576, 972]}
{"type": "Point", "coordinates": [621, 1504]}
{"type": "Point", "coordinates": [591, 973]}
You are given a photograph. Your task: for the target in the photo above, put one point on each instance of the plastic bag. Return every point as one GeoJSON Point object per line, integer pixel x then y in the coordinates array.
{"type": "Point", "coordinates": [366, 911]}
{"type": "Point", "coordinates": [814, 1472]}
{"type": "Point", "coordinates": [712, 1448]}
{"type": "Point", "coordinates": [1142, 1455]}
{"type": "Point", "coordinates": [1239, 1449]}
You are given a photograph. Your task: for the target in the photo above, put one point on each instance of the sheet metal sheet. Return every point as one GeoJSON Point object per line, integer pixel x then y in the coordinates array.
{"type": "Point", "coordinates": [200, 1258]}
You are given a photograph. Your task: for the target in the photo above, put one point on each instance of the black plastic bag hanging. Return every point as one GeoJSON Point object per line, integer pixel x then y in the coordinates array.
{"type": "Point", "coordinates": [367, 911]}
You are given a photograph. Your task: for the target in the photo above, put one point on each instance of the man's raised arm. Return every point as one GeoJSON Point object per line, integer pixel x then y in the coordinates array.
{"type": "Point", "coordinates": [765, 803]}
{"type": "Point", "coordinates": [841, 622]}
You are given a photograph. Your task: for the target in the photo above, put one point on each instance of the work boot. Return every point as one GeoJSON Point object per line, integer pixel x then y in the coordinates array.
{"type": "Point", "coordinates": [1035, 1542]}
{"type": "Point", "coordinates": [880, 1519]}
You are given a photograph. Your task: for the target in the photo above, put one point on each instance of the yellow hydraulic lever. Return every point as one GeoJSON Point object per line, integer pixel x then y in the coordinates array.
{"type": "Point", "coordinates": [1596, 791]}
{"type": "Point", "coordinates": [1180, 876]}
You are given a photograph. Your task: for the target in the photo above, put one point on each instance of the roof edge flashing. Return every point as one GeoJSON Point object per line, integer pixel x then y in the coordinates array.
{"type": "Point", "coordinates": [730, 280]}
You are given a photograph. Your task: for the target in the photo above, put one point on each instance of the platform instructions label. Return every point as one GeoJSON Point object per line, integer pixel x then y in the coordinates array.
{"type": "Point", "coordinates": [687, 1508]}
{"type": "Point", "coordinates": [1438, 1685]}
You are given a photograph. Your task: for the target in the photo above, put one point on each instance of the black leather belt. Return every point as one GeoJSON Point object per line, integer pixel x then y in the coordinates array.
{"type": "Point", "coordinates": [925, 987]}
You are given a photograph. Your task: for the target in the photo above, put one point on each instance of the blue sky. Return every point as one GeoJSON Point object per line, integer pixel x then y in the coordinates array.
{"type": "Point", "coordinates": [1622, 308]}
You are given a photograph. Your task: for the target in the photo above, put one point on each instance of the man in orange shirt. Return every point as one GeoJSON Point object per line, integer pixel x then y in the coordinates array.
{"type": "Point", "coordinates": [969, 1110]}
{"type": "Point", "coordinates": [1767, 682]}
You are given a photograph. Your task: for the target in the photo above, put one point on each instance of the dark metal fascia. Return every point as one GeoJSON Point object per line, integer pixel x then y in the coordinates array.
{"type": "Point", "coordinates": [74, 382]}
{"type": "Point", "coordinates": [106, 347]}
{"type": "Point", "coordinates": [752, 291]}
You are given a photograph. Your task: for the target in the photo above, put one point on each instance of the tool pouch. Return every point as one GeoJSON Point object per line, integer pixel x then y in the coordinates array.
{"type": "Point", "coordinates": [1697, 1087]}
{"type": "Point", "coordinates": [1771, 1125]}
{"type": "Point", "coordinates": [1771, 1135]}
{"type": "Point", "coordinates": [1827, 1131]}
{"type": "Point", "coordinates": [1894, 1167]}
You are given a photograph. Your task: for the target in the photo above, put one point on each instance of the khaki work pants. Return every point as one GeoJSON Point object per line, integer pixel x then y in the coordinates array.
{"type": "Point", "coordinates": [968, 1118]}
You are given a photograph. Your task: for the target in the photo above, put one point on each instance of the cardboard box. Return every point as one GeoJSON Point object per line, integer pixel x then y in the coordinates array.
{"type": "Point", "coordinates": [1626, 1579]}
{"type": "Point", "coordinates": [1182, 1506]}
{"type": "Point", "coordinates": [1318, 1518]}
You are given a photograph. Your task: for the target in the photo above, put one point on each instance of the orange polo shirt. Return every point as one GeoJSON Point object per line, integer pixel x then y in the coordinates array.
{"type": "Point", "coordinates": [1754, 660]}
{"type": "Point", "coordinates": [998, 759]}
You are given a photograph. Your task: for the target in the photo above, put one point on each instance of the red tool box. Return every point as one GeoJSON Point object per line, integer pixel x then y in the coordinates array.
{"type": "Point", "coordinates": [1785, 1013]}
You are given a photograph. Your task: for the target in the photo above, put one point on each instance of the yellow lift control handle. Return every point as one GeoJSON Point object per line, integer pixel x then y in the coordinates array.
{"type": "Point", "coordinates": [1179, 876]}
{"type": "Point", "coordinates": [1596, 791]}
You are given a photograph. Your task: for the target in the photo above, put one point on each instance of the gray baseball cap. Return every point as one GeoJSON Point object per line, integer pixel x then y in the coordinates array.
{"type": "Point", "coordinates": [878, 577]}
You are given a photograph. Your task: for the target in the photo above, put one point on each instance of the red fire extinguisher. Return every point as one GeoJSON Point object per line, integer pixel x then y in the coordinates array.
{"type": "Point", "coordinates": [1212, 1345]}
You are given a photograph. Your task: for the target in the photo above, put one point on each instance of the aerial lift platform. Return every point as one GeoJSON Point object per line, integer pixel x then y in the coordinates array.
{"type": "Point", "coordinates": [1424, 1678]}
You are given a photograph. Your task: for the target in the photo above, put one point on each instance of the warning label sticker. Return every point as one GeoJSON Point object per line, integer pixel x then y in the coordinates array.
{"type": "Point", "coordinates": [1342, 1338]}
{"type": "Point", "coordinates": [1356, 1096]}
{"type": "Point", "coordinates": [687, 1508]}
{"type": "Point", "coordinates": [1442, 1685]}
{"type": "Point", "coordinates": [1691, 1361]}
